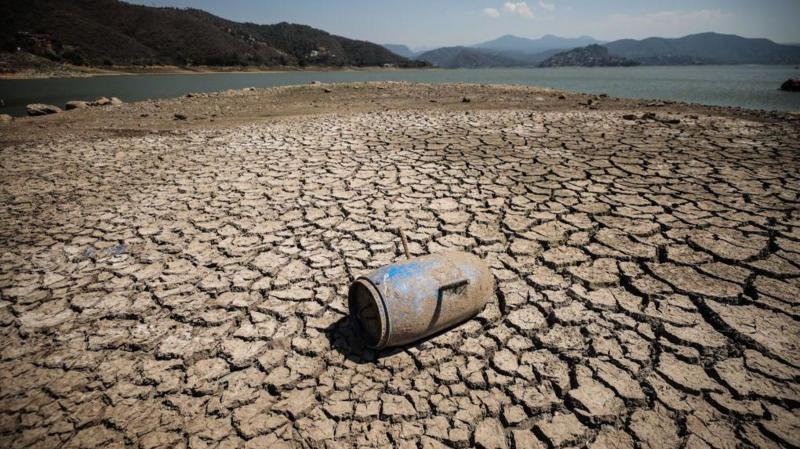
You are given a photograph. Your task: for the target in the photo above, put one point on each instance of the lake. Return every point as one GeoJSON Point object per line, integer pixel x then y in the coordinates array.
{"type": "Point", "coordinates": [747, 86]}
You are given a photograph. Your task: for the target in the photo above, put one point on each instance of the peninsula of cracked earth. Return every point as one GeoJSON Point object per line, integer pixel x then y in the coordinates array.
{"type": "Point", "coordinates": [174, 273]}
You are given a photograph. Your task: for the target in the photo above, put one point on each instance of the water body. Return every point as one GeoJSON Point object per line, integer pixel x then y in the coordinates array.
{"type": "Point", "coordinates": [747, 86]}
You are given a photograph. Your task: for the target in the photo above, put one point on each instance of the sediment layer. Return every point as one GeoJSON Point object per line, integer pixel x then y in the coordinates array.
{"type": "Point", "coordinates": [182, 283]}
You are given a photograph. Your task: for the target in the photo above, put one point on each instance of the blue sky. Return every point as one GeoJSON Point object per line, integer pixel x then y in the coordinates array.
{"type": "Point", "coordinates": [433, 23]}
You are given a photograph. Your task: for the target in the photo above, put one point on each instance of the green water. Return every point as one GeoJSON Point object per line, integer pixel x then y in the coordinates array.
{"type": "Point", "coordinates": [746, 86]}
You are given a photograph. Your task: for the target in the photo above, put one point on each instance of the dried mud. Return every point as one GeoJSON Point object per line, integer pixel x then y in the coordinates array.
{"type": "Point", "coordinates": [182, 283]}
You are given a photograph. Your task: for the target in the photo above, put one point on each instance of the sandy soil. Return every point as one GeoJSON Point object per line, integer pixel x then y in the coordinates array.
{"type": "Point", "coordinates": [180, 281]}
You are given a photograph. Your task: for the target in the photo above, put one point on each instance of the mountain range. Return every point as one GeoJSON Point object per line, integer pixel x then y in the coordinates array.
{"type": "Point", "coordinates": [115, 33]}
{"type": "Point", "coordinates": [111, 32]}
{"type": "Point", "coordinates": [593, 55]}
{"type": "Point", "coordinates": [702, 48]}
{"type": "Point", "coordinates": [709, 48]}
{"type": "Point", "coordinates": [515, 44]}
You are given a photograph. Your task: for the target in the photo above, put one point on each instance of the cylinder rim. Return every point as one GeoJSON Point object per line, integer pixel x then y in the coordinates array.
{"type": "Point", "coordinates": [383, 329]}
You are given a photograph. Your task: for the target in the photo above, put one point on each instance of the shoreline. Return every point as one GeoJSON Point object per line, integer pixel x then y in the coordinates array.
{"type": "Point", "coordinates": [91, 72]}
{"type": "Point", "coordinates": [68, 71]}
{"type": "Point", "coordinates": [762, 93]}
{"type": "Point", "coordinates": [234, 107]}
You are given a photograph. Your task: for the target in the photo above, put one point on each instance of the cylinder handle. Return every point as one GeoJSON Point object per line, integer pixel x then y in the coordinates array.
{"type": "Point", "coordinates": [452, 286]}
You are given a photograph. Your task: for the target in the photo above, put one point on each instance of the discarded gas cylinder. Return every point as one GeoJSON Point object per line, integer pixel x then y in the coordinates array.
{"type": "Point", "coordinates": [410, 300]}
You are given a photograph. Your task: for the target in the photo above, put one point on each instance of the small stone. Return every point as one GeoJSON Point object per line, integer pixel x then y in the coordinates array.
{"type": "Point", "coordinates": [37, 109]}
{"type": "Point", "coordinates": [102, 101]}
{"type": "Point", "coordinates": [70, 105]}
{"type": "Point", "coordinates": [179, 116]}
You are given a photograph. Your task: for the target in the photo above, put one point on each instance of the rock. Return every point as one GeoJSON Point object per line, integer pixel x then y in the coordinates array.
{"type": "Point", "coordinates": [326, 90]}
{"type": "Point", "coordinates": [116, 101]}
{"type": "Point", "coordinates": [76, 104]}
{"type": "Point", "coordinates": [465, 100]}
{"type": "Point", "coordinates": [5, 118]}
{"type": "Point", "coordinates": [37, 109]}
{"type": "Point", "coordinates": [629, 117]}
{"type": "Point", "coordinates": [489, 435]}
{"type": "Point", "coordinates": [791, 85]}
{"type": "Point", "coordinates": [102, 101]}
{"type": "Point", "coordinates": [179, 116]}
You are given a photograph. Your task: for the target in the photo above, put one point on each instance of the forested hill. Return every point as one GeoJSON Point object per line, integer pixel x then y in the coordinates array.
{"type": "Point", "coordinates": [111, 32]}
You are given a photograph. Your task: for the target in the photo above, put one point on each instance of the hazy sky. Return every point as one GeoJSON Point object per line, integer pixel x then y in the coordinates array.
{"type": "Point", "coordinates": [432, 23]}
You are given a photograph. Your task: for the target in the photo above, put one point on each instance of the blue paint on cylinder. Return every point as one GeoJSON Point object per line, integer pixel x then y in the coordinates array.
{"type": "Point", "coordinates": [421, 296]}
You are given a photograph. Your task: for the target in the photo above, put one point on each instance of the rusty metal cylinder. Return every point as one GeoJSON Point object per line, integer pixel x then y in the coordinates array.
{"type": "Point", "coordinates": [410, 300]}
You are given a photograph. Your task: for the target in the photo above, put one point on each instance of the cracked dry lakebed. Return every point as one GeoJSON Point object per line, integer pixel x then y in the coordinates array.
{"type": "Point", "coordinates": [181, 283]}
